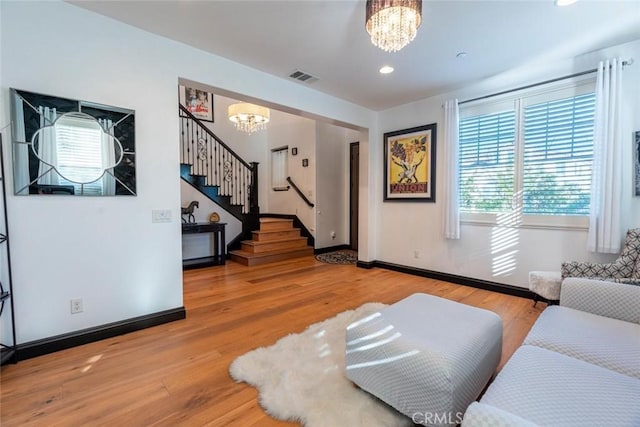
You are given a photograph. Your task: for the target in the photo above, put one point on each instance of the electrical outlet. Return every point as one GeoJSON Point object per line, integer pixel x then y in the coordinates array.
{"type": "Point", "coordinates": [333, 234]}
{"type": "Point", "coordinates": [77, 306]}
{"type": "Point", "coordinates": [416, 254]}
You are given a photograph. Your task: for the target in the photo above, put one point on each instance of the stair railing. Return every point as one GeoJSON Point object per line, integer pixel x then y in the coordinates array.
{"type": "Point", "coordinates": [220, 166]}
{"type": "Point", "coordinates": [300, 193]}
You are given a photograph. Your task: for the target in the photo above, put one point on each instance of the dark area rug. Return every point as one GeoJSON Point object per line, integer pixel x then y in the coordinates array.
{"type": "Point", "coordinates": [345, 256]}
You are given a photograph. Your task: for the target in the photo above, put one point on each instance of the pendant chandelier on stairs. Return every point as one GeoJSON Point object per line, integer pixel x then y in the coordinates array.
{"type": "Point", "coordinates": [248, 117]}
{"type": "Point", "coordinates": [393, 24]}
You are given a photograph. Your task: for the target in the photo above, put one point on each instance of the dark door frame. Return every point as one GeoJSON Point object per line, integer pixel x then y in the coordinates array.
{"type": "Point", "coordinates": [354, 171]}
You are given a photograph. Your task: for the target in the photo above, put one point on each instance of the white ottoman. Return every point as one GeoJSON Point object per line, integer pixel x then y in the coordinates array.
{"type": "Point", "coordinates": [545, 284]}
{"type": "Point", "coordinates": [428, 357]}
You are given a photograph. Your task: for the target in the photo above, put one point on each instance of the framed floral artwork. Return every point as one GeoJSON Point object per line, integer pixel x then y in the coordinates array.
{"type": "Point", "coordinates": [410, 164]}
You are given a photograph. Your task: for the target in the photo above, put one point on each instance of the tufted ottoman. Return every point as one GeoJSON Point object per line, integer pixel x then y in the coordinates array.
{"type": "Point", "coordinates": [426, 356]}
{"type": "Point", "coordinates": [545, 284]}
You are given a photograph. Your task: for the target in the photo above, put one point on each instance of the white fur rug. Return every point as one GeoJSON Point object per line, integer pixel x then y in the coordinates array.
{"type": "Point", "coordinates": [301, 378]}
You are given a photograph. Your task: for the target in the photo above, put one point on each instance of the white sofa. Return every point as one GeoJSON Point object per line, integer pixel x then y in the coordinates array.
{"type": "Point", "coordinates": [578, 366]}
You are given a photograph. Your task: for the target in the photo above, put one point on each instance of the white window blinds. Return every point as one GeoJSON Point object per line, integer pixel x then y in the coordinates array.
{"type": "Point", "coordinates": [487, 162]}
{"type": "Point", "coordinates": [530, 154]}
{"type": "Point", "coordinates": [558, 151]}
{"type": "Point", "coordinates": [79, 156]}
{"type": "Point", "coordinates": [279, 170]}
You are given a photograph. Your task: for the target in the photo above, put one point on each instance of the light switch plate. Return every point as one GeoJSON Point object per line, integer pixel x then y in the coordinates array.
{"type": "Point", "coordinates": [161, 215]}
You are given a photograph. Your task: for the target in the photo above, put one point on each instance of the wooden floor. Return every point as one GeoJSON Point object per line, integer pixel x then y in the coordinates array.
{"type": "Point", "coordinates": [176, 374]}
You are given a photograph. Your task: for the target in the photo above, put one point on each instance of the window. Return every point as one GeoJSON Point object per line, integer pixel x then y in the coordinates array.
{"type": "Point", "coordinates": [486, 162]}
{"type": "Point", "coordinates": [530, 154]}
{"type": "Point", "coordinates": [279, 171]}
{"type": "Point", "coordinates": [79, 155]}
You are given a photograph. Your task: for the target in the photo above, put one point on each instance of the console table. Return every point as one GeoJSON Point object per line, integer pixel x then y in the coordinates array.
{"type": "Point", "coordinates": [219, 246]}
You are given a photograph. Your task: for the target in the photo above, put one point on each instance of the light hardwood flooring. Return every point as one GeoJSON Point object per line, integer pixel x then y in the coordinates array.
{"type": "Point", "coordinates": [176, 374]}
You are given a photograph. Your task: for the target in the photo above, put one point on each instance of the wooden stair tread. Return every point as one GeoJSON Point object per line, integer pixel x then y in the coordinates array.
{"type": "Point", "coordinates": [274, 231]}
{"type": "Point", "coordinates": [269, 219]}
{"type": "Point", "coordinates": [273, 224]}
{"type": "Point", "coordinates": [268, 242]}
{"type": "Point", "coordinates": [246, 254]}
{"type": "Point", "coordinates": [248, 258]}
{"type": "Point", "coordinates": [275, 235]}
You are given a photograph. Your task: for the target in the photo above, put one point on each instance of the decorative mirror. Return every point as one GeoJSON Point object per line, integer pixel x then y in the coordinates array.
{"type": "Point", "coordinates": [69, 147]}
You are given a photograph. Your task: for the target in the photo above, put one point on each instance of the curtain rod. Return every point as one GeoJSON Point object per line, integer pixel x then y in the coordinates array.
{"type": "Point", "coordinates": [504, 92]}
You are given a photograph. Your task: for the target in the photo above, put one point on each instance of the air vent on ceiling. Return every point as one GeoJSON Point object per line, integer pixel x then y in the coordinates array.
{"type": "Point", "coordinates": [303, 77]}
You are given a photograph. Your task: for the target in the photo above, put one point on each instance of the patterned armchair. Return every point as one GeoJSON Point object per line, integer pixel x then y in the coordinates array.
{"type": "Point", "coordinates": [626, 269]}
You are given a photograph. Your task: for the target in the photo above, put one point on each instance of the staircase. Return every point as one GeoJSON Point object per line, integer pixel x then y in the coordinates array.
{"type": "Point", "coordinates": [276, 240]}
{"type": "Point", "coordinates": [215, 170]}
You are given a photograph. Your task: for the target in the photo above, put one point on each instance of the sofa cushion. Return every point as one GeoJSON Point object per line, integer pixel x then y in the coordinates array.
{"type": "Point", "coordinates": [552, 389]}
{"type": "Point", "coordinates": [610, 343]}
{"type": "Point", "coordinates": [481, 415]}
{"type": "Point", "coordinates": [604, 298]}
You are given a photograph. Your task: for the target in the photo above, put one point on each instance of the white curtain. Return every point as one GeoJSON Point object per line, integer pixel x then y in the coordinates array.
{"type": "Point", "coordinates": [451, 187]}
{"type": "Point", "coordinates": [47, 151]}
{"type": "Point", "coordinates": [108, 158]}
{"type": "Point", "coordinates": [20, 151]}
{"type": "Point", "coordinates": [606, 182]}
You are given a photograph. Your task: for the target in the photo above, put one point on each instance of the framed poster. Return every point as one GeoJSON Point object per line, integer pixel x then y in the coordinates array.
{"type": "Point", "coordinates": [198, 102]}
{"type": "Point", "coordinates": [637, 163]}
{"type": "Point", "coordinates": [410, 164]}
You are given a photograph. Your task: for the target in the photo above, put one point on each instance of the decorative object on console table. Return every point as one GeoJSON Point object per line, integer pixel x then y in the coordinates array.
{"type": "Point", "coordinates": [214, 217]}
{"type": "Point", "coordinates": [198, 102]}
{"type": "Point", "coordinates": [637, 162]}
{"type": "Point", "coordinates": [7, 351]}
{"type": "Point", "coordinates": [219, 244]}
{"type": "Point", "coordinates": [189, 212]}
{"type": "Point", "coordinates": [410, 164]}
{"type": "Point", "coordinates": [305, 163]}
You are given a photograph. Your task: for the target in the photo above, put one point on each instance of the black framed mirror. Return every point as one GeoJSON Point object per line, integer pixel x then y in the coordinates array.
{"type": "Point", "coordinates": [70, 147]}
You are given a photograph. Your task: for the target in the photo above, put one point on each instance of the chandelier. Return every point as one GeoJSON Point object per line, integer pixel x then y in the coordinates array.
{"type": "Point", "coordinates": [393, 24]}
{"type": "Point", "coordinates": [248, 117]}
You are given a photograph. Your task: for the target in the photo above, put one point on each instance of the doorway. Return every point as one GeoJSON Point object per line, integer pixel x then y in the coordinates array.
{"type": "Point", "coordinates": [354, 173]}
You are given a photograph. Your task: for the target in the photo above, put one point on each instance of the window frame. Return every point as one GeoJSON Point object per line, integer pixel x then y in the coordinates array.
{"type": "Point", "coordinates": [86, 188]}
{"type": "Point", "coordinates": [519, 100]}
{"type": "Point", "coordinates": [284, 186]}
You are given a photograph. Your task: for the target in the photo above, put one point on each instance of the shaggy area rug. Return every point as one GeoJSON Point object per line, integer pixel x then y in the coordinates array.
{"type": "Point", "coordinates": [346, 256]}
{"type": "Point", "coordinates": [301, 378]}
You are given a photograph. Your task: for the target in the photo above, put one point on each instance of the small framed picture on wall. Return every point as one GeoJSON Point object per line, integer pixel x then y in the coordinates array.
{"type": "Point", "coordinates": [294, 151]}
{"type": "Point", "coordinates": [305, 163]}
{"type": "Point", "coordinates": [198, 102]}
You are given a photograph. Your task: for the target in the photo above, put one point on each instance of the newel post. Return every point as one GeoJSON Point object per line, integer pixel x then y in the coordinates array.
{"type": "Point", "coordinates": [253, 192]}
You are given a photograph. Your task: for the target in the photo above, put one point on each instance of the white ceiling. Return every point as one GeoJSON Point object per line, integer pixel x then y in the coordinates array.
{"type": "Point", "coordinates": [327, 39]}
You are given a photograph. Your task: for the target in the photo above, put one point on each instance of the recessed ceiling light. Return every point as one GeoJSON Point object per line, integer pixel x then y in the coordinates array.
{"type": "Point", "coordinates": [461, 55]}
{"type": "Point", "coordinates": [565, 2]}
{"type": "Point", "coordinates": [387, 69]}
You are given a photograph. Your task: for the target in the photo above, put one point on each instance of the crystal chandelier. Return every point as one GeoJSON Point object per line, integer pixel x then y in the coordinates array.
{"type": "Point", "coordinates": [393, 24]}
{"type": "Point", "coordinates": [248, 117]}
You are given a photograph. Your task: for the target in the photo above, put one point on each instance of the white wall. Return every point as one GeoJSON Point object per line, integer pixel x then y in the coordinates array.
{"type": "Point", "coordinates": [106, 250]}
{"type": "Point", "coordinates": [286, 130]}
{"type": "Point", "coordinates": [251, 148]}
{"type": "Point", "coordinates": [332, 184]}
{"type": "Point", "coordinates": [404, 228]}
